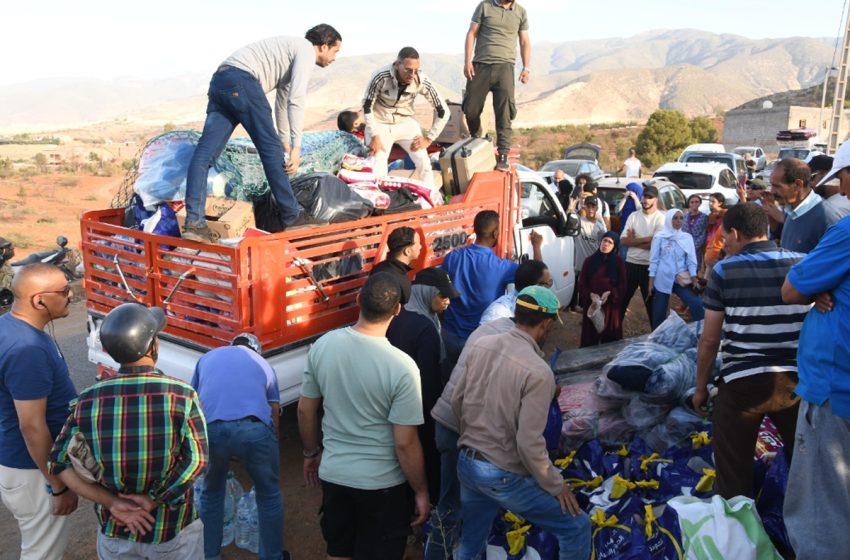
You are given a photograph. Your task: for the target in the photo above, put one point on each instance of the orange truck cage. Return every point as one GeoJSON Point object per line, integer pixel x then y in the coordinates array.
{"type": "Point", "coordinates": [273, 285]}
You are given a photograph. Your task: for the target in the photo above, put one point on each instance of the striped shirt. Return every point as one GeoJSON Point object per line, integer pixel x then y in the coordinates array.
{"type": "Point", "coordinates": [760, 331]}
{"type": "Point", "coordinates": [148, 433]}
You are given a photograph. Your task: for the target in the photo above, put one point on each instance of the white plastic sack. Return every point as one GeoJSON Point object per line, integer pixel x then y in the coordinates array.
{"type": "Point", "coordinates": [675, 334]}
{"type": "Point", "coordinates": [671, 380]}
{"type": "Point", "coordinates": [722, 529]}
{"type": "Point", "coordinates": [596, 312]}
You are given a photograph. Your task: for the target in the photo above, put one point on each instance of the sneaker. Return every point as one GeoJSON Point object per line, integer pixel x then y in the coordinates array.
{"type": "Point", "coordinates": [200, 233]}
{"type": "Point", "coordinates": [502, 164]}
{"type": "Point", "coordinates": [304, 219]}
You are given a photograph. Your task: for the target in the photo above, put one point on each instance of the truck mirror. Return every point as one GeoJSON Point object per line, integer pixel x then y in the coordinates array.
{"type": "Point", "coordinates": [573, 224]}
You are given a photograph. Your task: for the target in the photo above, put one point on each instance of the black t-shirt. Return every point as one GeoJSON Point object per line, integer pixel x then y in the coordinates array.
{"type": "Point", "coordinates": [400, 270]}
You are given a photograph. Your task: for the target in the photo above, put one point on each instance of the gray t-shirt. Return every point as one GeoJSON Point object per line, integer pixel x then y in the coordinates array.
{"type": "Point", "coordinates": [498, 32]}
{"type": "Point", "coordinates": [588, 239]}
{"type": "Point", "coordinates": [283, 64]}
{"type": "Point", "coordinates": [367, 386]}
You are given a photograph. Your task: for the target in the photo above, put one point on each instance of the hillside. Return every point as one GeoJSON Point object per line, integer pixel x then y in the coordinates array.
{"type": "Point", "coordinates": [617, 79]}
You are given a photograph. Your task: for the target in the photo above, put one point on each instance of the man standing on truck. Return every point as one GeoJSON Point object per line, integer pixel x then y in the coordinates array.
{"type": "Point", "coordinates": [35, 390]}
{"type": "Point", "coordinates": [367, 456]}
{"type": "Point", "coordinates": [237, 95]}
{"type": "Point", "coordinates": [404, 248]}
{"type": "Point", "coordinates": [391, 117]}
{"type": "Point", "coordinates": [501, 404]}
{"type": "Point", "coordinates": [817, 503]}
{"type": "Point", "coordinates": [744, 307]}
{"type": "Point", "coordinates": [242, 412]}
{"type": "Point", "coordinates": [638, 232]}
{"type": "Point", "coordinates": [492, 38]}
{"type": "Point", "coordinates": [140, 440]}
{"type": "Point", "coordinates": [480, 277]}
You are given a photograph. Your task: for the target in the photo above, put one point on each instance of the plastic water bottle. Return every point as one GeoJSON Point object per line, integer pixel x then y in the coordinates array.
{"type": "Point", "coordinates": [228, 528]}
{"type": "Point", "coordinates": [233, 493]}
{"type": "Point", "coordinates": [199, 490]}
{"type": "Point", "coordinates": [248, 534]}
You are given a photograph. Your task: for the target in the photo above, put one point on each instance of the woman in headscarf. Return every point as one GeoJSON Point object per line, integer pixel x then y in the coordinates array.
{"type": "Point", "coordinates": [603, 271]}
{"type": "Point", "coordinates": [673, 269]}
{"type": "Point", "coordinates": [629, 204]}
{"type": "Point", "coordinates": [714, 243]}
{"type": "Point", "coordinates": [696, 223]}
{"type": "Point", "coordinates": [416, 331]}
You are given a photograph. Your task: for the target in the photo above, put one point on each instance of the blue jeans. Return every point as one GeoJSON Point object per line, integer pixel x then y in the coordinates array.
{"type": "Point", "coordinates": [660, 301]}
{"type": "Point", "coordinates": [236, 97]}
{"type": "Point", "coordinates": [255, 445]}
{"type": "Point", "coordinates": [445, 519]}
{"type": "Point", "coordinates": [485, 488]}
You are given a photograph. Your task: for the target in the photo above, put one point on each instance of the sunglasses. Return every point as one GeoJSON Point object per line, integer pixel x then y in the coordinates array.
{"type": "Point", "coordinates": [63, 292]}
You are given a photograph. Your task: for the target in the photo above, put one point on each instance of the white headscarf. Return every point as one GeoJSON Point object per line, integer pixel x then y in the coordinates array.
{"type": "Point", "coordinates": [681, 238]}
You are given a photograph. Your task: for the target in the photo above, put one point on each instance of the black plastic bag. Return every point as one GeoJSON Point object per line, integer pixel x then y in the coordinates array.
{"type": "Point", "coordinates": [267, 214]}
{"type": "Point", "coordinates": [327, 198]}
{"type": "Point", "coordinates": [401, 200]}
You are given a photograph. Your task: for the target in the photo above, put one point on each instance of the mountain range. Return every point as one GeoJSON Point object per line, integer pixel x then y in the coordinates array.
{"type": "Point", "coordinates": [575, 82]}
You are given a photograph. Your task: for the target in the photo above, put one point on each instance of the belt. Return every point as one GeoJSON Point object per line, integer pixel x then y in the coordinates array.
{"type": "Point", "coordinates": [475, 455]}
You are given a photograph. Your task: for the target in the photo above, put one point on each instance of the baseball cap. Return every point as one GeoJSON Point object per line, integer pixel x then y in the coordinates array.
{"type": "Point", "coordinates": [757, 184]}
{"type": "Point", "coordinates": [400, 238]}
{"type": "Point", "coordinates": [591, 201]}
{"type": "Point", "coordinates": [545, 299]}
{"type": "Point", "coordinates": [839, 162]}
{"type": "Point", "coordinates": [438, 278]}
{"type": "Point", "coordinates": [249, 340]}
{"type": "Point", "coordinates": [650, 191]}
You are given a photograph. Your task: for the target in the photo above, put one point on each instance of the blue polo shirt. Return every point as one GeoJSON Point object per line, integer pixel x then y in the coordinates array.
{"type": "Point", "coordinates": [234, 382]}
{"type": "Point", "coordinates": [481, 277]}
{"type": "Point", "coordinates": [31, 368]}
{"type": "Point", "coordinates": [823, 358]}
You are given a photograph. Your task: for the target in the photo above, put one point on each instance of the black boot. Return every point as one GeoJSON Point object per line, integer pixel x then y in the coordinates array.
{"type": "Point", "coordinates": [502, 163]}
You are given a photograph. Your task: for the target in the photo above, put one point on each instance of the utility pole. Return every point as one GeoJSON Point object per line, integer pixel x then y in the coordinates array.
{"type": "Point", "coordinates": [840, 91]}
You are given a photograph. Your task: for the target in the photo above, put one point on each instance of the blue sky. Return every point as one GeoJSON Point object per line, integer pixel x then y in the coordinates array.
{"type": "Point", "coordinates": [158, 38]}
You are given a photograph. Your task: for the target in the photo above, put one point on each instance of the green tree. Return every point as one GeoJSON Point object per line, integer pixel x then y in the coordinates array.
{"type": "Point", "coordinates": [703, 130]}
{"type": "Point", "coordinates": [40, 161]}
{"type": "Point", "coordinates": [666, 134]}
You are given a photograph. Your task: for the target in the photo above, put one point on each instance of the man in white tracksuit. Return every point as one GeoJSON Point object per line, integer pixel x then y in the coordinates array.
{"type": "Point", "coordinates": [390, 116]}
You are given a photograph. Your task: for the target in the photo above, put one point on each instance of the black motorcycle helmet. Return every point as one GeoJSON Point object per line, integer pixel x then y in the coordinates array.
{"type": "Point", "coordinates": [129, 330]}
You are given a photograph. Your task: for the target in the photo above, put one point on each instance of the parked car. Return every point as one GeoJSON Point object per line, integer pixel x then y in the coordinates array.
{"type": "Point", "coordinates": [764, 174]}
{"type": "Point", "coordinates": [718, 148]}
{"type": "Point", "coordinates": [756, 152]}
{"type": "Point", "coordinates": [702, 179]}
{"type": "Point", "coordinates": [797, 152]}
{"type": "Point", "coordinates": [732, 161]}
{"type": "Point", "coordinates": [589, 152]}
{"type": "Point", "coordinates": [573, 168]}
{"type": "Point", "coordinates": [613, 189]}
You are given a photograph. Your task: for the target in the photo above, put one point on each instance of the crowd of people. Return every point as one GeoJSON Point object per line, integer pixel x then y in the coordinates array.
{"type": "Point", "coordinates": [432, 406]}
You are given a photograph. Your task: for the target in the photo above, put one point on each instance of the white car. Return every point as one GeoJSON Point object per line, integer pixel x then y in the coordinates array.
{"type": "Point", "coordinates": [702, 179]}
{"type": "Point", "coordinates": [716, 148]}
{"type": "Point", "coordinates": [756, 152]}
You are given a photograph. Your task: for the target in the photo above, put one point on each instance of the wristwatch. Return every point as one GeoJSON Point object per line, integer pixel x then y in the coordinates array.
{"type": "Point", "coordinates": [313, 453]}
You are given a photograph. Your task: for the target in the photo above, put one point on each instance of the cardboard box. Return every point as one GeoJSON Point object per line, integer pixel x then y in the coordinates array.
{"type": "Point", "coordinates": [456, 128]}
{"type": "Point", "coordinates": [225, 217]}
{"type": "Point", "coordinates": [409, 174]}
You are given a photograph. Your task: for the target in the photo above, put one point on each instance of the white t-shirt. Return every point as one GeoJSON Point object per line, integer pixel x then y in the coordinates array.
{"type": "Point", "coordinates": [645, 225]}
{"type": "Point", "coordinates": [633, 166]}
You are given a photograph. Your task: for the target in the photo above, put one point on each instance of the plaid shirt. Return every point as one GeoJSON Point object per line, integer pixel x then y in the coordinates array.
{"type": "Point", "coordinates": [149, 434]}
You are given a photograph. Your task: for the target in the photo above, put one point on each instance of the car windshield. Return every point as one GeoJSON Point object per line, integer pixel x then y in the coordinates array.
{"type": "Point", "coordinates": [798, 153]}
{"type": "Point", "coordinates": [744, 151]}
{"type": "Point", "coordinates": [688, 180]}
{"type": "Point", "coordinates": [569, 167]}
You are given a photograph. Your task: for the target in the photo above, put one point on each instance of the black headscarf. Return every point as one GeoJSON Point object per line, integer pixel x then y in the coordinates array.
{"type": "Point", "coordinates": [599, 258]}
